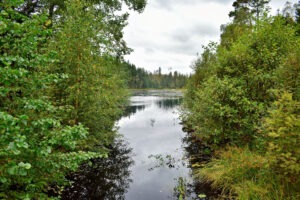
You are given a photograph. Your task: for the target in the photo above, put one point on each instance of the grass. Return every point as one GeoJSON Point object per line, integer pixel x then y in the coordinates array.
{"type": "Point", "coordinates": [242, 174]}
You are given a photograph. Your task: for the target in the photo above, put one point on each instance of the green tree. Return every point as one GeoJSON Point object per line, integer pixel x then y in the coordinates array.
{"type": "Point", "coordinates": [298, 12]}
{"type": "Point", "coordinates": [297, 16]}
{"type": "Point", "coordinates": [87, 54]}
{"type": "Point", "coordinates": [140, 78]}
{"type": "Point", "coordinates": [243, 14]}
{"type": "Point", "coordinates": [282, 128]}
{"type": "Point", "coordinates": [53, 7]}
{"type": "Point", "coordinates": [245, 9]}
{"type": "Point", "coordinates": [232, 106]}
{"type": "Point", "coordinates": [35, 148]}
{"type": "Point", "coordinates": [234, 96]}
{"type": "Point", "coordinates": [203, 69]}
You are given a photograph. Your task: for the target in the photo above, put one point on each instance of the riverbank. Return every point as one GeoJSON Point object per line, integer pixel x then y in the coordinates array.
{"type": "Point", "coordinates": [243, 102]}
{"type": "Point", "coordinates": [158, 92]}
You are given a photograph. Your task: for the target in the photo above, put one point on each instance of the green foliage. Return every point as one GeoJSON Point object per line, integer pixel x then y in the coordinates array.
{"type": "Point", "coordinates": [55, 7]}
{"type": "Point", "coordinates": [35, 147]}
{"type": "Point", "coordinates": [245, 9]}
{"type": "Point", "coordinates": [298, 13]}
{"type": "Point", "coordinates": [242, 174]}
{"type": "Point", "coordinates": [180, 189]}
{"type": "Point", "coordinates": [224, 113]}
{"type": "Point", "coordinates": [203, 68]}
{"type": "Point", "coordinates": [231, 102]}
{"type": "Point", "coordinates": [59, 89]}
{"type": "Point", "coordinates": [237, 90]}
{"type": "Point", "coordinates": [282, 129]}
{"type": "Point", "coordinates": [139, 78]}
{"type": "Point", "coordinates": [94, 88]}
{"type": "Point", "coordinates": [231, 33]}
{"type": "Point", "coordinates": [288, 74]}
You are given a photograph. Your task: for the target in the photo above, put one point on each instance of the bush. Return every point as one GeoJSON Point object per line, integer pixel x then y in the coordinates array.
{"type": "Point", "coordinates": [230, 93]}
{"type": "Point", "coordinates": [282, 129]}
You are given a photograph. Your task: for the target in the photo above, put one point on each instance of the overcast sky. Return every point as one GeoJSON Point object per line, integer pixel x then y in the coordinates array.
{"type": "Point", "coordinates": [170, 33]}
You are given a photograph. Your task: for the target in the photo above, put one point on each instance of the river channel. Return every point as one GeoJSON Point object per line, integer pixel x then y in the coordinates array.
{"type": "Point", "coordinates": [148, 159]}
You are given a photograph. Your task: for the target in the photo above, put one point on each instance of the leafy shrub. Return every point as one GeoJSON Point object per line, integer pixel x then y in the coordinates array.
{"type": "Point", "coordinates": [282, 129]}
{"type": "Point", "coordinates": [229, 94]}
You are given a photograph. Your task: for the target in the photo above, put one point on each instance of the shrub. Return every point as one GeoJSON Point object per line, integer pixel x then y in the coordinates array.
{"type": "Point", "coordinates": [282, 130]}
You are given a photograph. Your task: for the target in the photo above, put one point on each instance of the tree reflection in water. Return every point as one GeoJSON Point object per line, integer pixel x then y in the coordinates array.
{"type": "Point", "coordinates": [168, 103]}
{"type": "Point", "coordinates": [110, 178]}
{"type": "Point", "coordinates": [198, 154]}
{"type": "Point", "coordinates": [131, 110]}
{"type": "Point", "coordinates": [106, 179]}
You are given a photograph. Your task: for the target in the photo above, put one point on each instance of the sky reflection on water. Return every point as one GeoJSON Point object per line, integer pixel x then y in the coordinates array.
{"type": "Point", "coordinates": [154, 130]}
{"type": "Point", "coordinates": [146, 162]}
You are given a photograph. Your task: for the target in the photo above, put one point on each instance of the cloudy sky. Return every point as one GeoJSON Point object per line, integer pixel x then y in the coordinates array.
{"type": "Point", "coordinates": [170, 33]}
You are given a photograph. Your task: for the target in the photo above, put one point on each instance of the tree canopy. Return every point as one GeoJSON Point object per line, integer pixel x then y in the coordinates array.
{"type": "Point", "coordinates": [60, 89]}
{"type": "Point", "coordinates": [242, 104]}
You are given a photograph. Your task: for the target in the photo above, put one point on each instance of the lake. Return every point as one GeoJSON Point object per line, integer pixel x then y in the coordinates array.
{"type": "Point", "coordinates": [148, 159]}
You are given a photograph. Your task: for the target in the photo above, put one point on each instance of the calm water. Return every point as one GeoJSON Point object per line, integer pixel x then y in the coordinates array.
{"type": "Point", "coordinates": [155, 136]}
{"type": "Point", "coordinates": [147, 161]}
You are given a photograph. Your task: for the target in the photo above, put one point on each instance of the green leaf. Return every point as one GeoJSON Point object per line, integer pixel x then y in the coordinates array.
{"type": "Point", "coordinates": [202, 196]}
{"type": "Point", "coordinates": [13, 170]}
{"type": "Point", "coordinates": [22, 172]}
{"type": "Point", "coordinates": [24, 165]}
{"type": "Point", "coordinates": [3, 180]}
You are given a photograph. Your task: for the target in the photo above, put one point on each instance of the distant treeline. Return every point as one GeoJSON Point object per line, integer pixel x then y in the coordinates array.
{"type": "Point", "coordinates": [139, 78]}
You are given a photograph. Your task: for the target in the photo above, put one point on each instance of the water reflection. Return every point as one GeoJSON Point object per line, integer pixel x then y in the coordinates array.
{"type": "Point", "coordinates": [131, 110]}
{"type": "Point", "coordinates": [152, 122]}
{"type": "Point", "coordinates": [198, 154]}
{"type": "Point", "coordinates": [140, 103]}
{"type": "Point", "coordinates": [155, 135]}
{"type": "Point", "coordinates": [158, 93]}
{"type": "Point", "coordinates": [148, 163]}
{"type": "Point", "coordinates": [168, 104]}
{"type": "Point", "coordinates": [105, 179]}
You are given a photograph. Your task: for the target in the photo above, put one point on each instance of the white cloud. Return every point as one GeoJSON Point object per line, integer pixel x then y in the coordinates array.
{"type": "Point", "coordinates": [170, 4]}
{"type": "Point", "coordinates": [169, 33]}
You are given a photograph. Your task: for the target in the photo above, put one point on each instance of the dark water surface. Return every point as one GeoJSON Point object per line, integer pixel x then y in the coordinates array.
{"type": "Point", "coordinates": [147, 162]}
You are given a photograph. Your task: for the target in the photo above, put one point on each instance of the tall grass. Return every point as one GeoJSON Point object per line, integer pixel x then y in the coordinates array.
{"type": "Point", "coordinates": [242, 174]}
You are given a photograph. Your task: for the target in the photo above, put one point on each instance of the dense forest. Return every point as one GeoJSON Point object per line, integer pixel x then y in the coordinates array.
{"type": "Point", "coordinates": [243, 104]}
{"type": "Point", "coordinates": [139, 78]}
{"type": "Point", "coordinates": [61, 89]}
